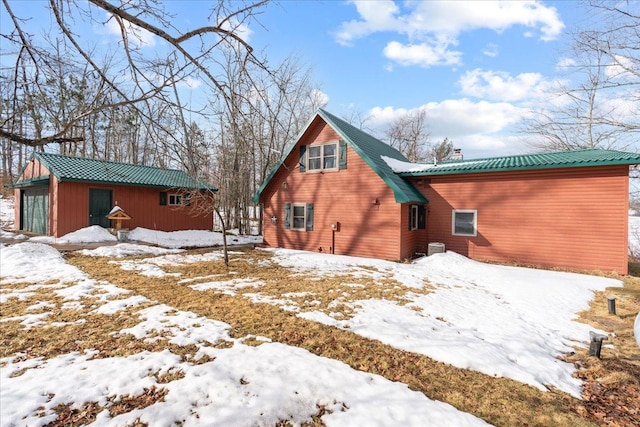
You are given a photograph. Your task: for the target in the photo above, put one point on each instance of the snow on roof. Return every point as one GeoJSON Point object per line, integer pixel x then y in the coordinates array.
{"type": "Point", "coordinates": [399, 166]}
{"type": "Point", "coordinates": [115, 209]}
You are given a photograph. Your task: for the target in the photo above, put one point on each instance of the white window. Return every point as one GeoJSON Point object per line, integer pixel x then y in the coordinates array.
{"type": "Point", "coordinates": [323, 156]}
{"type": "Point", "coordinates": [413, 217]}
{"type": "Point", "coordinates": [298, 216]}
{"type": "Point", "coordinates": [175, 199]}
{"type": "Point", "coordinates": [299, 219]}
{"type": "Point", "coordinates": [464, 222]}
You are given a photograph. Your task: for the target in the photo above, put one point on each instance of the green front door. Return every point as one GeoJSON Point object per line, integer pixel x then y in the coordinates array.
{"type": "Point", "coordinates": [35, 210]}
{"type": "Point", "coordinates": [99, 207]}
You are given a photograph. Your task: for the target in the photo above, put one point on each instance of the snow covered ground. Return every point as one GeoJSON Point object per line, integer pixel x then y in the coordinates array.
{"type": "Point", "coordinates": [243, 386]}
{"type": "Point", "coordinates": [502, 321]}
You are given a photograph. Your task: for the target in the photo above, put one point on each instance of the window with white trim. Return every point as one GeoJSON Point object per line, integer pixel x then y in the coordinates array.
{"type": "Point", "coordinates": [464, 222]}
{"type": "Point", "coordinates": [175, 199]}
{"type": "Point", "coordinates": [413, 217]}
{"type": "Point", "coordinates": [298, 216]}
{"type": "Point", "coordinates": [322, 156]}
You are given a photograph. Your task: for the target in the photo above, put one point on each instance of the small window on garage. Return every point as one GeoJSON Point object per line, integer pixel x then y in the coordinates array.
{"type": "Point", "coordinates": [464, 222]}
{"type": "Point", "coordinates": [175, 199]}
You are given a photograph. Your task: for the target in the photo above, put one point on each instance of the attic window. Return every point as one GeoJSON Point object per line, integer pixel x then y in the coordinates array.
{"type": "Point", "coordinates": [323, 157]}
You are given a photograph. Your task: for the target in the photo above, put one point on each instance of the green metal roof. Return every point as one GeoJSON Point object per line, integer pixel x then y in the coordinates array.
{"type": "Point", "coordinates": [33, 182]}
{"type": "Point", "coordinates": [370, 150]}
{"type": "Point", "coordinates": [81, 169]}
{"type": "Point", "coordinates": [559, 159]}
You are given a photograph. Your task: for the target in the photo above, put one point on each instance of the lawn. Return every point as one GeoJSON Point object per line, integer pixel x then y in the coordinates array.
{"type": "Point", "coordinates": [134, 334]}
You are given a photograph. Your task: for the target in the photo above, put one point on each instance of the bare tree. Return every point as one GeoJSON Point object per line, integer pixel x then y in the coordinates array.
{"type": "Point", "coordinates": [255, 129]}
{"type": "Point", "coordinates": [129, 76]}
{"type": "Point", "coordinates": [597, 105]}
{"type": "Point", "coordinates": [409, 135]}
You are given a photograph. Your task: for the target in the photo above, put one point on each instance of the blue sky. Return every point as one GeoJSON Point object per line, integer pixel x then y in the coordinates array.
{"type": "Point", "coordinates": [476, 67]}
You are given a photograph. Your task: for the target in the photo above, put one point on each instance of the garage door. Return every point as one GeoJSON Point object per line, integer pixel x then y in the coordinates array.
{"type": "Point", "coordinates": [35, 210]}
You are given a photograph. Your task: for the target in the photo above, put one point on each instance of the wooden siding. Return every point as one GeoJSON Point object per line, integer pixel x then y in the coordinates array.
{"type": "Point", "coordinates": [34, 169]}
{"type": "Point", "coordinates": [69, 206]}
{"type": "Point", "coordinates": [71, 210]}
{"type": "Point", "coordinates": [345, 196]}
{"type": "Point", "coordinates": [575, 218]}
{"type": "Point", "coordinates": [412, 242]}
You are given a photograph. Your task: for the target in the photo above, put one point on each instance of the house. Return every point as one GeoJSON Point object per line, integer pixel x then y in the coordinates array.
{"type": "Point", "coordinates": [340, 190]}
{"type": "Point", "coordinates": [57, 194]}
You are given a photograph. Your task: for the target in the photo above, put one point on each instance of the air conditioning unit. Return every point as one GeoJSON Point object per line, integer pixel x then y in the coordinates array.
{"type": "Point", "coordinates": [435, 248]}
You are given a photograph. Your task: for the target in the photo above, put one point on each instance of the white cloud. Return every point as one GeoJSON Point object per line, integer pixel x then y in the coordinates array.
{"type": "Point", "coordinates": [491, 50]}
{"type": "Point", "coordinates": [479, 128]}
{"type": "Point", "coordinates": [190, 83]}
{"type": "Point", "coordinates": [318, 97]}
{"type": "Point", "coordinates": [421, 54]}
{"type": "Point", "coordinates": [460, 16]}
{"type": "Point", "coordinates": [432, 26]}
{"type": "Point", "coordinates": [501, 86]}
{"type": "Point", "coordinates": [240, 30]}
{"type": "Point", "coordinates": [458, 117]}
{"type": "Point", "coordinates": [376, 15]}
{"type": "Point", "coordinates": [565, 63]}
{"type": "Point", "coordinates": [139, 36]}
{"type": "Point", "coordinates": [619, 68]}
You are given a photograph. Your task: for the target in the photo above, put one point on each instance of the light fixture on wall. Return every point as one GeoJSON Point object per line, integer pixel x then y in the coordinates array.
{"type": "Point", "coordinates": [274, 219]}
{"type": "Point", "coordinates": [375, 202]}
{"type": "Point", "coordinates": [285, 185]}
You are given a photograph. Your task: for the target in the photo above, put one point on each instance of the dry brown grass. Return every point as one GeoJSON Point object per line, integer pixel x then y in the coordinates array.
{"type": "Point", "coordinates": [500, 401]}
{"type": "Point", "coordinates": [612, 384]}
{"type": "Point", "coordinates": [66, 330]}
{"type": "Point", "coordinates": [333, 295]}
{"type": "Point", "coordinates": [68, 415]}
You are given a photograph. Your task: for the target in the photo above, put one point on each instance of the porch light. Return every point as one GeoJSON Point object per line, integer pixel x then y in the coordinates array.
{"type": "Point", "coordinates": [274, 219]}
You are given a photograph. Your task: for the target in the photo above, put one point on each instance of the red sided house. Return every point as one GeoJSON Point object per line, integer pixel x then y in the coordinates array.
{"type": "Point", "coordinates": [57, 194]}
{"type": "Point", "coordinates": [339, 190]}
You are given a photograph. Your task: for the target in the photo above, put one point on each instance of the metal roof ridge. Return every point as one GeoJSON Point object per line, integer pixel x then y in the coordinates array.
{"type": "Point", "coordinates": [41, 153]}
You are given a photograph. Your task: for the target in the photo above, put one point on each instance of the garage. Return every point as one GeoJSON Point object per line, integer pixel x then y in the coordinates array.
{"type": "Point", "coordinates": [35, 210]}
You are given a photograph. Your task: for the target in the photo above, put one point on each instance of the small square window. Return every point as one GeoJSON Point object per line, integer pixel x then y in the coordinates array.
{"type": "Point", "coordinates": [298, 216]}
{"type": "Point", "coordinates": [464, 222]}
{"type": "Point", "coordinates": [175, 199]}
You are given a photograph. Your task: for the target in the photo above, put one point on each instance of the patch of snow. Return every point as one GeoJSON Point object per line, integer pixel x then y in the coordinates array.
{"type": "Point", "coordinates": [503, 321]}
{"type": "Point", "coordinates": [7, 213]}
{"type": "Point", "coordinates": [399, 166]}
{"type": "Point", "coordinates": [188, 238]}
{"type": "Point", "coordinates": [91, 234]}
